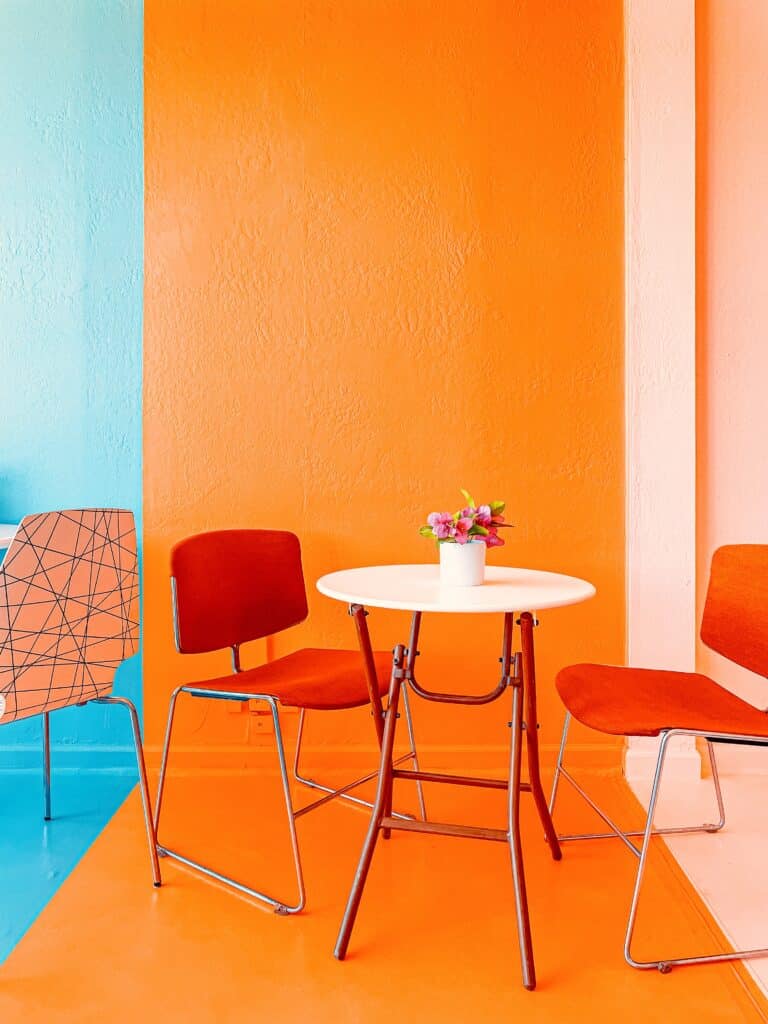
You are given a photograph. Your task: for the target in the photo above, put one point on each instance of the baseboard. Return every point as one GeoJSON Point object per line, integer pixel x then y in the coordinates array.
{"type": "Point", "coordinates": [682, 760]}
{"type": "Point", "coordinates": [735, 760]}
{"type": "Point", "coordinates": [69, 757]}
{"type": "Point", "coordinates": [638, 763]}
{"type": "Point", "coordinates": [260, 758]}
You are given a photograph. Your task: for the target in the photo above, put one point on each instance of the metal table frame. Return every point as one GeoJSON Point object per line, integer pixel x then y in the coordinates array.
{"type": "Point", "coordinates": [518, 675]}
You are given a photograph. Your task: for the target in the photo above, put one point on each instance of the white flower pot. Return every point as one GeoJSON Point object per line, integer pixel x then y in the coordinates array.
{"type": "Point", "coordinates": [462, 565]}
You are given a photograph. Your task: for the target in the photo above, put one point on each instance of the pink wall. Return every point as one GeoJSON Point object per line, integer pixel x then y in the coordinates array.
{"type": "Point", "coordinates": [732, 297]}
{"type": "Point", "coordinates": [660, 363]}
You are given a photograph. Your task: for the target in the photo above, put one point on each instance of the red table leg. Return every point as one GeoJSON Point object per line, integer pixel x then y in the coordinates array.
{"type": "Point", "coordinates": [383, 794]}
{"type": "Point", "coordinates": [359, 614]}
{"type": "Point", "coordinates": [513, 833]}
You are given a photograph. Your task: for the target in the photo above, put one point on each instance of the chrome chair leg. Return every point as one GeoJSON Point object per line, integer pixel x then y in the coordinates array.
{"type": "Point", "coordinates": [664, 966]}
{"type": "Point", "coordinates": [718, 790]}
{"type": "Point", "coordinates": [559, 763]}
{"type": "Point", "coordinates": [291, 816]}
{"type": "Point", "coordinates": [342, 792]}
{"type": "Point", "coordinates": [164, 762]}
{"type": "Point", "coordinates": [313, 783]}
{"type": "Point", "coordinates": [143, 784]}
{"type": "Point", "coordinates": [46, 766]}
{"type": "Point", "coordinates": [414, 752]}
{"type": "Point", "coordinates": [647, 833]}
{"type": "Point", "coordinates": [279, 906]}
{"type": "Point", "coordinates": [616, 832]}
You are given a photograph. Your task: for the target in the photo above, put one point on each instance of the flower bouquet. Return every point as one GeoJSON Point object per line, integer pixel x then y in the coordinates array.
{"type": "Point", "coordinates": [463, 537]}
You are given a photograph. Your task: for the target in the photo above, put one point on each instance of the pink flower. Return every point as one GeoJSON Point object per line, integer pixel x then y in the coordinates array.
{"type": "Point", "coordinates": [442, 524]}
{"type": "Point", "coordinates": [463, 525]}
{"type": "Point", "coordinates": [483, 515]}
{"type": "Point", "coordinates": [473, 522]}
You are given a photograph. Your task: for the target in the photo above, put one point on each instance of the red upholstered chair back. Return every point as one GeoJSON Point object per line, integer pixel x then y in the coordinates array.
{"type": "Point", "coordinates": [735, 620]}
{"type": "Point", "coordinates": [232, 586]}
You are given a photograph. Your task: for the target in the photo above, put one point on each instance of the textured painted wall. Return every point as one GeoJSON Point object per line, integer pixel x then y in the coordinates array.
{"type": "Point", "coordinates": [660, 369]}
{"type": "Point", "coordinates": [70, 281]}
{"type": "Point", "coordinates": [383, 261]}
{"type": "Point", "coordinates": [732, 252]}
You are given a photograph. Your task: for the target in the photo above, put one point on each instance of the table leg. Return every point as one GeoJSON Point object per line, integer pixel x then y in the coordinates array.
{"type": "Point", "coordinates": [410, 663]}
{"type": "Point", "coordinates": [532, 734]}
{"type": "Point", "coordinates": [383, 793]}
{"type": "Point", "coordinates": [515, 845]}
{"type": "Point", "coordinates": [386, 833]}
{"type": "Point", "coordinates": [359, 614]}
{"type": "Point", "coordinates": [515, 674]}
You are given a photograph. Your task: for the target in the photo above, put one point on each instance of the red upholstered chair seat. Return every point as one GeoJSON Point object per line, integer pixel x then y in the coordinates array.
{"type": "Point", "coordinates": [313, 678]}
{"type": "Point", "coordinates": [644, 702]}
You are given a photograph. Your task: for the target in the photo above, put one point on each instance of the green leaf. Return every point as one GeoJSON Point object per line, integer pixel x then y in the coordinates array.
{"type": "Point", "coordinates": [497, 507]}
{"type": "Point", "coordinates": [478, 531]}
{"type": "Point", "coordinates": [468, 498]}
{"type": "Point", "coordinates": [426, 531]}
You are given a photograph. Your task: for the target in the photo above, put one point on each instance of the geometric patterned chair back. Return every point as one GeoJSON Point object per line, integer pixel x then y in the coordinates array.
{"type": "Point", "coordinates": [69, 588]}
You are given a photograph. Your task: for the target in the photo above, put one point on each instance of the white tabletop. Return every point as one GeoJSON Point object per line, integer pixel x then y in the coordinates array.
{"type": "Point", "coordinates": [417, 588]}
{"type": "Point", "coordinates": [7, 533]}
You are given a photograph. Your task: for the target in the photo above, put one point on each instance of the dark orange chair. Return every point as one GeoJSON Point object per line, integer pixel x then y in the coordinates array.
{"type": "Point", "coordinates": [233, 586]}
{"type": "Point", "coordinates": [647, 702]}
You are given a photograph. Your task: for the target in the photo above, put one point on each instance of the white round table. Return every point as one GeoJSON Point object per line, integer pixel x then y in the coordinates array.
{"type": "Point", "coordinates": [417, 588]}
{"type": "Point", "coordinates": [7, 533]}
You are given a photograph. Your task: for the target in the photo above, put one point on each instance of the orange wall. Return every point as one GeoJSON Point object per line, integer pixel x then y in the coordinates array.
{"type": "Point", "coordinates": [383, 261]}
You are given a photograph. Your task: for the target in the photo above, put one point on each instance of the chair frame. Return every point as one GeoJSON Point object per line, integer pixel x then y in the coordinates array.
{"type": "Point", "coordinates": [26, 535]}
{"type": "Point", "coordinates": [280, 906]}
{"type": "Point", "coordinates": [648, 832]}
{"type": "Point", "coordinates": [146, 801]}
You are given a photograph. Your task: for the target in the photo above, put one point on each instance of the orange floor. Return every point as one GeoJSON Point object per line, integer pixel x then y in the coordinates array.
{"type": "Point", "coordinates": [435, 939]}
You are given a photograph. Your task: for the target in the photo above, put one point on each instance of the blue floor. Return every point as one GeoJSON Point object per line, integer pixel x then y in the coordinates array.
{"type": "Point", "coordinates": [37, 856]}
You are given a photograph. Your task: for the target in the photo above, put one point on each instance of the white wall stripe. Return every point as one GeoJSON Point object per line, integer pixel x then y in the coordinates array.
{"type": "Point", "coordinates": [660, 324]}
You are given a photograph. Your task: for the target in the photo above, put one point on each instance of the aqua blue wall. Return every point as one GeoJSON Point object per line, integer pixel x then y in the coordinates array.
{"type": "Point", "coordinates": [71, 258]}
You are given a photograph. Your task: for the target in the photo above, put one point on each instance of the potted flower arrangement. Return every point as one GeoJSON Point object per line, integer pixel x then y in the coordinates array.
{"type": "Point", "coordinates": [463, 538]}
